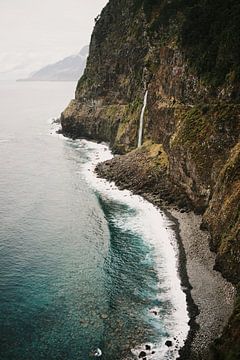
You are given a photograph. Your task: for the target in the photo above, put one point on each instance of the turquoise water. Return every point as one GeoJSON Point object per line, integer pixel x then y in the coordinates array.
{"type": "Point", "coordinates": [72, 278]}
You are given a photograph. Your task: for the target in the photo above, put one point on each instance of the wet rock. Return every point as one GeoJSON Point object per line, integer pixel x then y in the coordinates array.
{"type": "Point", "coordinates": [142, 354]}
{"type": "Point", "coordinates": [154, 312]}
{"type": "Point", "coordinates": [169, 343]}
{"type": "Point", "coordinates": [148, 347]}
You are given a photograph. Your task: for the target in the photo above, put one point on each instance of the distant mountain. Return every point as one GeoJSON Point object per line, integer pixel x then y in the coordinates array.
{"type": "Point", "coordinates": [69, 69]}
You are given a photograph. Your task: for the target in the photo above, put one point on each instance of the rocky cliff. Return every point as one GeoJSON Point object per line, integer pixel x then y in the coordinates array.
{"type": "Point", "coordinates": [186, 53]}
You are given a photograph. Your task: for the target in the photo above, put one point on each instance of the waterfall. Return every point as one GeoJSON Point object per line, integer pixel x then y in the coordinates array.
{"type": "Point", "coordinates": [140, 131]}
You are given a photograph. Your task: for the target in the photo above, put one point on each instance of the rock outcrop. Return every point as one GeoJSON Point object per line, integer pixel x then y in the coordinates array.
{"type": "Point", "coordinates": [187, 55]}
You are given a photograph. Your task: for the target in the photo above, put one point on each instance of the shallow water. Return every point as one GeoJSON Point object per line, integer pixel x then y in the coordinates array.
{"type": "Point", "coordinates": [82, 265]}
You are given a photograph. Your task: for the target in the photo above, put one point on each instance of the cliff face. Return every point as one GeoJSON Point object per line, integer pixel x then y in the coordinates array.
{"type": "Point", "coordinates": [186, 53]}
{"type": "Point", "coordinates": [108, 96]}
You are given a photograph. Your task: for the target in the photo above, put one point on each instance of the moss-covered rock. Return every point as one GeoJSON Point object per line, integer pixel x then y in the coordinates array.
{"type": "Point", "coordinates": [200, 146]}
{"type": "Point", "coordinates": [222, 217]}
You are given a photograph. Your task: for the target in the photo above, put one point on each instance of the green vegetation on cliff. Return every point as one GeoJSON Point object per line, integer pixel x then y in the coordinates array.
{"type": "Point", "coordinates": [200, 130]}
{"type": "Point", "coordinates": [208, 31]}
{"type": "Point", "coordinates": [211, 37]}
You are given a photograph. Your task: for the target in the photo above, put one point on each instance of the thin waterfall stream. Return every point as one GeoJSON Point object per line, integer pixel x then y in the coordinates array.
{"type": "Point", "coordinates": [140, 131]}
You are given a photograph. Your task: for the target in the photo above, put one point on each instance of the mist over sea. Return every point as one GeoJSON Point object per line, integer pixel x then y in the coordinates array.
{"type": "Point", "coordinates": [83, 266]}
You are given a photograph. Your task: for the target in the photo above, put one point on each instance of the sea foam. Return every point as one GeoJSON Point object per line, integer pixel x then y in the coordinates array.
{"type": "Point", "coordinates": [156, 229]}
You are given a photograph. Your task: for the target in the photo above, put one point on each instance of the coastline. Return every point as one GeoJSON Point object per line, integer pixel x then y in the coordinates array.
{"type": "Point", "coordinates": [104, 186]}
{"type": "Point", "coordinates": [210, 298]}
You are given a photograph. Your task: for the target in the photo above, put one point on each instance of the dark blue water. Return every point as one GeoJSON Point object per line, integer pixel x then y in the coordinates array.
{"type": "Point", "coordinates": [71, 278]}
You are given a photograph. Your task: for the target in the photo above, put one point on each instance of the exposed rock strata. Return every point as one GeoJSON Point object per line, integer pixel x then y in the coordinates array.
{"type": "Point", "coordinates": [192, 124]}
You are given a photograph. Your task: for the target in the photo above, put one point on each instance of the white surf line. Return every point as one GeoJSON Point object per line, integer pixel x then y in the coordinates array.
{"type": "Point", "coordinates": [155, 228]}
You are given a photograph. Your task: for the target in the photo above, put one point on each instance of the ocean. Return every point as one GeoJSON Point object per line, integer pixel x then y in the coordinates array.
{"type": "Point", "coordinates": [85, 269]}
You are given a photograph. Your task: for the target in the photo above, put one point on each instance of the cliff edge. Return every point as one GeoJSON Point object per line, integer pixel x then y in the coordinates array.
{"type": "Point", "coordinates": [186, 54]}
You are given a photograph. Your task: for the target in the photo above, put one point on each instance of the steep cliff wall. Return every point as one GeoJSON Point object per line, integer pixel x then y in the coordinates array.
{"type": "Point", "coordinates": [108, 96]}
{"type": "Point", "coordinates": [186, 53]}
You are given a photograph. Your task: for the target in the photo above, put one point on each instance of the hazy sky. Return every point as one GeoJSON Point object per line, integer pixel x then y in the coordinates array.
{"type": "Point", "coordinates": [34, 33]}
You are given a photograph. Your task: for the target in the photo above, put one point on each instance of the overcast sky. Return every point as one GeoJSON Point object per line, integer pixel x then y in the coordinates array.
{"type": "Point", "coordinates": [34, 33]}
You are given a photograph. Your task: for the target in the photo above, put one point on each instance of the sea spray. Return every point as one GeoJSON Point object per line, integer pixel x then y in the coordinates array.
{"type": "Point", "coordinates": [140, 131]}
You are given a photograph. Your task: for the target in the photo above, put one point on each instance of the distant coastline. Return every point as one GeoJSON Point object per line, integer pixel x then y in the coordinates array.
{"type": "Point", "coordinates": [70, 68]}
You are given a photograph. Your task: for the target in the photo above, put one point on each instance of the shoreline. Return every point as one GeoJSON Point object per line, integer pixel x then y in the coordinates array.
{"type": "Point", "coordinates": [210, 302]}
{"type": "Point", "coordinates": [210, 298]}
{"type": "Point", "coordinates": [193, 311]}
{"type": "Point", "coordinates": [112, 187]}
